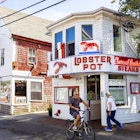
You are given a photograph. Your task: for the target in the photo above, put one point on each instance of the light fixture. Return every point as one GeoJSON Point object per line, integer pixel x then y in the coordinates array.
{"type": "Point", "coordinates": [88, 75]}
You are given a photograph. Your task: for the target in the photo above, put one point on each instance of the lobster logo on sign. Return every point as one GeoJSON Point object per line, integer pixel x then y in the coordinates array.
{"type": "Point", "coordinates": [58, 66]}
{"type": "Point", "coordinates": [89, 47]}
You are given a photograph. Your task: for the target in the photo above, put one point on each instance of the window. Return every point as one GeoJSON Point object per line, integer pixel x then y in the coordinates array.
{"type": "Point", "coordinates": [63, 94]}
{"type": "Point", "coordinates": [118, 93]}
{"type": "Point", "coordinates": [36, 90]}
{"type": "Point", "coordinates": [113, 76]}
{"type": "Point", "coordinates": [5, 91]}
{"type": "Point", "coordinates": [20, 88]}
{"type": "Point", "coordinates": [58, 38]}
{"type": "Point", "coordinates": [2, 57]}
{"type": "Point", "coordinates": [32, 56]}
{"type": "Point", "coordinates": [138, 48]}
{"type": "Point", "coordinates": [70, 41]}
{"type": "Point", "coordinates": [86, 32]}
{"type": "Point", "coordinates": [117, 38]}
{"type": "Point", "coordinates": [20, 92]}
{"type": "Point", "coordinates": [135, 88]}
{"type": "Point", "coordinates": [117, 88]}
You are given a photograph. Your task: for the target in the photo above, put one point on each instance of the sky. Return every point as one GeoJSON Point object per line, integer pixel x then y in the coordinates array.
{"type": "Point", "coordinates": [58, 11]}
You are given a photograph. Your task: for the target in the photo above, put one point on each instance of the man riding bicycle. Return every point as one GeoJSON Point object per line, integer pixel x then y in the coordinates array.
{"type": "Point", "coordinates": [74, 108]}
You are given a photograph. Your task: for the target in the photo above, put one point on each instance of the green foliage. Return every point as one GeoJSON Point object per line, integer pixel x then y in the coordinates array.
{"type": "Point", "coordinates": [130, 7]}
{"type": "Point", "coordinates": [137, 37]}
{"type": "Point", "coordinates": [49, 108]}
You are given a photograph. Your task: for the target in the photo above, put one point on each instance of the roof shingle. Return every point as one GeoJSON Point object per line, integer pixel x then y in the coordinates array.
{"type": "Point", "coordinates": [30, 27]}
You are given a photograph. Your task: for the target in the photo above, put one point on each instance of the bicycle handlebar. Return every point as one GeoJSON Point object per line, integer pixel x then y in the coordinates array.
{"type": "Point", "coordinates": [83, 111]}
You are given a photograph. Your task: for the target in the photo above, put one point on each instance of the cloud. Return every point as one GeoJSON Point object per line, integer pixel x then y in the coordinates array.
{"type": "Point", "coordinates": [52, 14]}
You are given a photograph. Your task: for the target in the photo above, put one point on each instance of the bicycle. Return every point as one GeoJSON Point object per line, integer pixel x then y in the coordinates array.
{"type": "Point", "coordinates": [85, 130]}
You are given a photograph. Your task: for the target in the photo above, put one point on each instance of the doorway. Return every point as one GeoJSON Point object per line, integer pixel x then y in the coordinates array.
{"type": "Point", "coordinates": [93, 95]}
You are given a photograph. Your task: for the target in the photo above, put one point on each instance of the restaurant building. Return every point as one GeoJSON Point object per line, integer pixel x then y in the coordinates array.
{"type": "Point", "coordinates": [96, 52]}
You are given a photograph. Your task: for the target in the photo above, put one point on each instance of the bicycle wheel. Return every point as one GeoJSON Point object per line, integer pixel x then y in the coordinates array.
{"type": "Point", "coordinates": [89, 133]}
{"type": "Point", "coordinates": [69, 129]}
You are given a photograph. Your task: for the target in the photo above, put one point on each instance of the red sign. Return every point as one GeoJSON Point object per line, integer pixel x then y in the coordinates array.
{"type": "Point", "coordinates": [92, 62]}
{"type": "Point", "coordinates": [127, 64]}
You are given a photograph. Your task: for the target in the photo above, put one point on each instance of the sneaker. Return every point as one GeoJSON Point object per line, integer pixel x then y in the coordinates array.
{"type": "Point", "coordinates": [121, 126]}
{"type": "Point", "coordinates": [108, 129]}
{"type": "Point", "coordinates": [75, 128]}
{"type": "Point", "coordinates": [80, 136]}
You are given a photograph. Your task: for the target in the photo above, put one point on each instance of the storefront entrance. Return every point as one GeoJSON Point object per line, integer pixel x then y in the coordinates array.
{"type": "Point", "coordinates": [93, 96]}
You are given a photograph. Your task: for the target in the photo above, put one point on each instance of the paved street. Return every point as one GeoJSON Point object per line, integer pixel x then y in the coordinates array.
{"type": "Point", "coordinates": [42, 127]}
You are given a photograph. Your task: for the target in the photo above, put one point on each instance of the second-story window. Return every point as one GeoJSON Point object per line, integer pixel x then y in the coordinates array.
{"type": "Point", "coordinates": [70, 41]}
{"type": "Point", "coordinates": [58, 38]}
{"type": "Point", "coordinates": [86, 32]}
{"type": "Point", "coordinates": [2, 57]}
{"type": "Point", "coordinates": [117, 38]}
{"type": "Point", "coordinates": [32, 56]}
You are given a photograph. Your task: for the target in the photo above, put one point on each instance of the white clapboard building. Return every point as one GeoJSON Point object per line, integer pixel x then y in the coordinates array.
{"type": "Point", "coordinates": [96, 52]}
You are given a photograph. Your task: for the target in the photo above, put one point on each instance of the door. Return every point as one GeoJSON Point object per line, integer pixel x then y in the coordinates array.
{"type": "Point", "coordinates": [93, 90]}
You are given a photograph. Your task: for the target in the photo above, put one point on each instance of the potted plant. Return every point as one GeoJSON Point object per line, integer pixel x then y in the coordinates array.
{"type": "Point", "coordinates": [49, 110]}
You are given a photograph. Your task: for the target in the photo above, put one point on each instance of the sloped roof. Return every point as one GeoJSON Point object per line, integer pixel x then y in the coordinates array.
{"type": "Point", "coordinates": [102, 10]}
{"type": "Point", "coordinates": [30, 27]}
{"type": "Point", "coordinates": [80, 14]}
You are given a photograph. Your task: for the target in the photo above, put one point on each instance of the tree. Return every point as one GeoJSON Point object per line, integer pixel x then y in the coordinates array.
{"type": "Point", "coordinates": [129, 7]}
{"type": "Point", "coordinates": [132, 8]}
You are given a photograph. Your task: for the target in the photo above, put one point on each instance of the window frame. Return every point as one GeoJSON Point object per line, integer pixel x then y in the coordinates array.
{"type": "Point", "coordinates": [2, 51]}
{"type": "Point", "coordinates": [5, 92]}
{"type": "Point", "coordinates": [133, 87]}
{"type": "Point", "coordinates": [116, 88]}
{"type": "Point", "coordinates": [70, 43]}
{"type": "Point", "coordinates": [40, 91]}
{"type": "Point", "coordinates": [57, 39]}
{"type": "Point", "coordinates": [117, 46]}
{"type": "Point", "coordinates": [82, 38]}
{"type": "Point", "coordinates": [118, 82]}
{"type": "Point", "coordinates": [32, 56]}
{"type": "Point", "coordinates": [23, 85]}
{"type": "Point", "coordinates": [69, 90]}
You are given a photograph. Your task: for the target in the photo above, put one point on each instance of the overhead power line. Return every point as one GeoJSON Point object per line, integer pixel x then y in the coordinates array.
{"type": "Point", "coordinates": [33, 13]}
{"type": "Point", "coordinates": [22, 9]}
{"type": "Point", "coordinates": [2, 1]}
